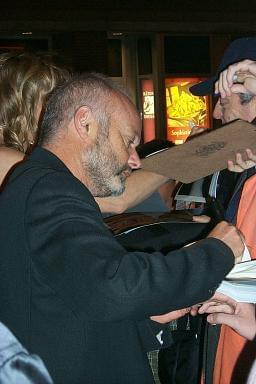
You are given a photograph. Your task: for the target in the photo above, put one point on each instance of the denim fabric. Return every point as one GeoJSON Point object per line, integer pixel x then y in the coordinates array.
{"type": "Point", "coordinates": [17, 366]}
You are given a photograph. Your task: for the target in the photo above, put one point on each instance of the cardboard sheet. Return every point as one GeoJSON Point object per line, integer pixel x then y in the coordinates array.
{"type": "Point", "coordinates": [203, 154]}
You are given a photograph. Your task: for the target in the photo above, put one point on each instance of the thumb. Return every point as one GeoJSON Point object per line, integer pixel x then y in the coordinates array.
{"type": "Point", "coordinates": [238, 88]}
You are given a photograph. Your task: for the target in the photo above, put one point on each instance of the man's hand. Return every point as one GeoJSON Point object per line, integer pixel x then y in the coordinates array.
{"type": "Point", "coordinates": [237, 78]}
{"type": "Point", "coordinates": [239, 165]}
{"type": "Point", "coordinates": [170, 316]}
{"type": "Point", "coordinates": [231, 237]}
{"type": "Point", "coordinates": [224, 310]}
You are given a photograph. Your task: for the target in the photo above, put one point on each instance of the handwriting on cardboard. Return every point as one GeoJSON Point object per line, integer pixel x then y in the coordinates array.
{"type": "Point", "coordinates": [206, 150]}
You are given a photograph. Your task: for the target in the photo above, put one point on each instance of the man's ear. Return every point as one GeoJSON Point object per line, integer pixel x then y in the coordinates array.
{"type": "Point", "coordinates": [85, 124]}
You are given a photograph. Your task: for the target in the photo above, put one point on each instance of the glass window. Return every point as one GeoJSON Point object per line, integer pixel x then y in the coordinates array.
{"type": "Point", "coordinates": [115, 58]}
{"type": "Point", "coordinates": [144, 56]}
{"type": "Point", "coordinates": [187, 54]}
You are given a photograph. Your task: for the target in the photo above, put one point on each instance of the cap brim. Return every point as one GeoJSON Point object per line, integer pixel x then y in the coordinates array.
{"type": "Point", "coordinates": [204, 88]}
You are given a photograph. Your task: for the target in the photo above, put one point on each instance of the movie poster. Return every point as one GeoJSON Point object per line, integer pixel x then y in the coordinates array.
{"type": "Point", "coordinates": [184, 110]}
{"type": "Point", "coordinates": [148, 109]}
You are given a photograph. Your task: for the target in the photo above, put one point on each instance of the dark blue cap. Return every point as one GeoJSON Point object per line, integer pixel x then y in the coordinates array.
{"type": "Point", "coordinates": [238, 50]}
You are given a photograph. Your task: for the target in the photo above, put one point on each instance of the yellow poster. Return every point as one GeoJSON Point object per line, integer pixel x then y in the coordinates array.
{"type": "Point", "coordinates": [184, 110]}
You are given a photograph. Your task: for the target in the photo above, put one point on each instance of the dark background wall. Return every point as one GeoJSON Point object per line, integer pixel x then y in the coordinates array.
{"type": "Point", "coordinates": [79, 29]}
{"type": "Point", "coordinates": [129, 39]}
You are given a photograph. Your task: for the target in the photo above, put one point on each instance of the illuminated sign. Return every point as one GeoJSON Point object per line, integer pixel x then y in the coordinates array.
{"type": "Point", "coordinates": [148, 110]}
{"type": "Point", "coordinates": [184, 110]}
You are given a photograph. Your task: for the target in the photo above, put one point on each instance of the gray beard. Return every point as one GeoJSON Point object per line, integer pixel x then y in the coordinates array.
{"type": "Point", "coordinates": [103, 171]}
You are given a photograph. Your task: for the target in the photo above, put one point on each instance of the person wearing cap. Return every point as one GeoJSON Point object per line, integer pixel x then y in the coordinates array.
{"type": "Point", "coordinates": [235, 104]}
{"type": "Point", "coordinates": [241, 78]}
{"type": "Point", "coordinates": [238, 78]}
{"type": "Point", "coordinates": [236, 101]}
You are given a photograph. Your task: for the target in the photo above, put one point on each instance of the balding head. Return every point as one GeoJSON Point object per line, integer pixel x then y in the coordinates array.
{"type": "Point", "coordinates": [93, 127]}
{"type": "Point", "coordinates": [94, 91]}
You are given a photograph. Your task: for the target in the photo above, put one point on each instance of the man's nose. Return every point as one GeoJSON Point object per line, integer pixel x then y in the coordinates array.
{"type": "Point", "coordinates": [134, 160]}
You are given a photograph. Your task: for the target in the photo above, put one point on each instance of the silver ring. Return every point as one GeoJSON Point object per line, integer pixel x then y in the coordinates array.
{"type": "Point", "coordinates": [234, 79]}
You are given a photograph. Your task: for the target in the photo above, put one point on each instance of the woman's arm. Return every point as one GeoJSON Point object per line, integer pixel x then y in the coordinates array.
{"type": "Point", "coordinates": [8, 158]}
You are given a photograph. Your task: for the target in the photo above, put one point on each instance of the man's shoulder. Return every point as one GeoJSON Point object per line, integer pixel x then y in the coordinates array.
{"type": "Point", "coordinates": [42, 170]}
{"type": "Point", "coordinates": [44, 161]}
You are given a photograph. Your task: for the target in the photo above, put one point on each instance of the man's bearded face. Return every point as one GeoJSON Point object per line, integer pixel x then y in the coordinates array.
{"type": "Point", "coordinates": [106, 174]}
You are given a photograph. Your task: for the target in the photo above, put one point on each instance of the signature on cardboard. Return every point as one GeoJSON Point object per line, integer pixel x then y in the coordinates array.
{"type": "Point", "coordinates": [209, 149]}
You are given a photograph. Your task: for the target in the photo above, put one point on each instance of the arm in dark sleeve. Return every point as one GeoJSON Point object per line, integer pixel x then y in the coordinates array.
{"type": "Point", "coordinates": [154, 335]}
{"type": "Point", "coordinates": [79, 259]}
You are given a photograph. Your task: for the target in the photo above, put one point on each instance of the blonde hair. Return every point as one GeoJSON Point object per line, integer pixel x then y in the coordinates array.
{"type": "Point", "coordinates": [26, 80]}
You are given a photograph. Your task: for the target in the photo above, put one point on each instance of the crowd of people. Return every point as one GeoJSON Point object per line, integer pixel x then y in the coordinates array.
{"type": "Point", "coordinates": [71, 293]}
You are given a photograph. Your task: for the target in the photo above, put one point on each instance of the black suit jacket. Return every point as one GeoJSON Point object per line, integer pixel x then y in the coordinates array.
{"type": "Point", "coordinates": [72, 294]}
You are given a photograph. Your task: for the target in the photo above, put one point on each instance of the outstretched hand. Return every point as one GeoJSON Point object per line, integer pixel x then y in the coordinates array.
{"type": "Point", "coordinates": [170, 316]}
{"type": "Point", "coordinates": [240, 165]}
{"type": "Point", "coordinates": [224, 310]}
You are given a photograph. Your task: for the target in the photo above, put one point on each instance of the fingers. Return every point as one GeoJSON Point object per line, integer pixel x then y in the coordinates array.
{"type": "Point", "coordinates": [194, 309]}
{"type": "Point", "coordinates": [239, 162]}
{"type": "Point", "coordinates": [243, 320]}
{"type": "Point", "coordinates": [201, 219]}
{"type": "Point", "coordinates": [222, 298]}
{"type": "Point", "coordinates": [239, 88]}
{"type": "Point", "coordinates": [215, 307]}
{"type": "Point", "coordinates": [245, 66]}
{"type": "Point", "coordinates": [219, 303]}
{"type": "Point", "coordinates": [238, 77]}
{"type": "Point", "coordinates": [250, 84]}
{"type": "Point", "coordinates": [250, 155]}
{"type": "Point", "coordinates": [216, 87]}
{"type": "Point", "coordinates": [233, 167]}
{"type": "Point", "coordinates": [205, 306]}
{"type": "Point", "coordinates": [170, 316]}
{"type": "Point", "coordinates": [224, 86]}
{"type": "Point", "coordinates": [239, 165]}
{"type": "Point", "coordinates": [221, 318]}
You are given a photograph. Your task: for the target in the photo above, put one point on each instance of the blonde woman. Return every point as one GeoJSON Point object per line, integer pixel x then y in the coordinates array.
{"type": "Point", "coordinates": [26, 80]}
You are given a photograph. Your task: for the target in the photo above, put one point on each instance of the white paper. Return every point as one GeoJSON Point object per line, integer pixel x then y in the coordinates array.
{"type": "Point", "coordinates": [244, 270]}
{"type": "Point", "coordinates": [240, 283]}
{"type": "Point", "coordinates": [239, 290]}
